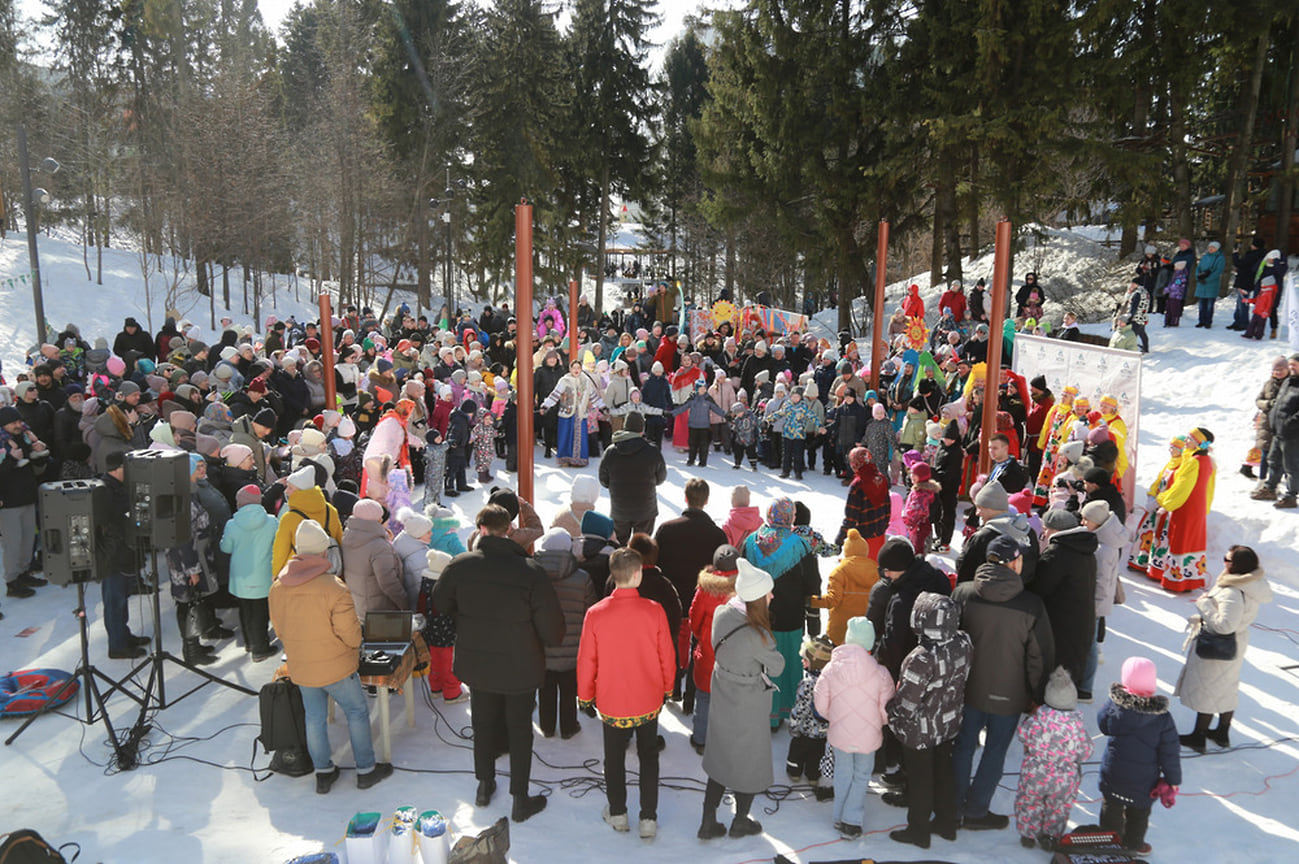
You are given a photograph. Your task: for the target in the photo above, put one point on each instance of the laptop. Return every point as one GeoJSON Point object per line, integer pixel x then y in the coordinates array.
{"type": "Point", "coordinates": [385, 639]}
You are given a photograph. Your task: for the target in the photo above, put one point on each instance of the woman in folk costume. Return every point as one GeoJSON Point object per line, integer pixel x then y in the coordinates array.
{"type": "Point", "coordinates": [1118, 434]}
{"type": "Point", "coordinates": [1152, 526]}
{"type": "Point", "coordinates": [387, 439]}
{"type": "Point", "coordinates": [1180, 563]}
{"type": "Point", "coordinates": [575, 394]}
{"type": "Point", "coordinates": [683, 386]}
{"type": "Point", "coordinates": [1049, 441]}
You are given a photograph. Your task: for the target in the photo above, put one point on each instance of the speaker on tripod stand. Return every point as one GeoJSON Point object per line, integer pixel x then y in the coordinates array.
{"type": "Point", "coordinates": [73, 512]}
{"type": "Point", "coordinates": [158, 490]}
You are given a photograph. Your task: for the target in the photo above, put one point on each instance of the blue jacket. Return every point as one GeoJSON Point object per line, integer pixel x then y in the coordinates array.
{"type": "Point", "coordinates": [248, 540]}
{"type": "Point", "coordinates": [1143, 747]}
{"type": "Point", "coordinates": [1209, 275]}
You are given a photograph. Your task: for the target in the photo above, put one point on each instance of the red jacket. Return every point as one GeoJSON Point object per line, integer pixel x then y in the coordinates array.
{"type": "Point", "coordinates": [955, 301]}
{"type": "Point", "coordinates": [912, 305]}
{"type": "Point", "coordinates": [714, 589]}
{"type": "Point", "coordinates": [626, 664]}
{"type": "Point", "coordinates": [1036, 420]}
{"type": "Point", "coordinates": [441, 417]}
{"type": "Point", "coordinates": [1263, 300]}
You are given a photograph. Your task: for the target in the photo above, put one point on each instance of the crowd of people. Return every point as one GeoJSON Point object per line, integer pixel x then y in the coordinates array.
{"type": "Point", "coordinates": [303, 518]}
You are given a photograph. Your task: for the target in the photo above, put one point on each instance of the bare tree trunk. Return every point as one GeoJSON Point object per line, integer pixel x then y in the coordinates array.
{"type": "Point", "coordinates": [972, 200]}
{"type": "Point", "coordinates": [1289, 141]}
{"type": "Point", "coordinates": [945, 201]}
{"type": "Point", "coordinates": [1240, 157]}
{"type": "Point", "coordinates": [936, 244]}
{"type": "Point", "coordinates": [1181, 164]}
{"type": "Point", "coordinates": [602, 236]}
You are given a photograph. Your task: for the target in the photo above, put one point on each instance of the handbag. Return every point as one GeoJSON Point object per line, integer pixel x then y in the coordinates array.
{"type": "Point", "coordinates": [1215, 646]}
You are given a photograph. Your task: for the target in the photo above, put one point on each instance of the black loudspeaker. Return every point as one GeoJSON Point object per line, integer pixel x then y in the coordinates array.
{"type": "Point", "coordinates": [72, 511]}
{"type": "Point", "coordinates": [157, 482]}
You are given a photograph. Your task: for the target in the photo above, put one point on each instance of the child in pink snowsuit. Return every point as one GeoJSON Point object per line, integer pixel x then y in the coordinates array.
{"type": "Point", "coordinates": [916, 512]}
{"type": "Point", "coordinates": [1055, 746]}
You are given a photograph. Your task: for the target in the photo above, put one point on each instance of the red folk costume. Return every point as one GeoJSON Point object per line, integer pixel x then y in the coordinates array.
{"type": "Point", "coordinates": [1182, 565]}
{"type": "Point", "coordinates": [1153, 530]}
{"type": "Point", "coordinates": [682, 382]}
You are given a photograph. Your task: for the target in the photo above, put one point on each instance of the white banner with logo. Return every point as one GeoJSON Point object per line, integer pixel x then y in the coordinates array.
{"type": "Point", "coordinates": [1096, 371]}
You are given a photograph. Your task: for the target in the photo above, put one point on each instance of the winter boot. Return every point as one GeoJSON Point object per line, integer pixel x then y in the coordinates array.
{"type": "Point", "coordinates": [484, 478]}
{"type": "Point", "coordinates": [1220, 735]}
{"type": "Point", "coordinates": [1195, 740]}
{"type": "Point", "coordinates": [210, 626]}
{"type": "Point", "coordinates": [194, 653]}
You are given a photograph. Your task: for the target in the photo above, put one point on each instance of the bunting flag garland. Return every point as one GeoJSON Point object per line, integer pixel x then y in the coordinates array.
{"type": "Point", "coordinates": [16, 281]}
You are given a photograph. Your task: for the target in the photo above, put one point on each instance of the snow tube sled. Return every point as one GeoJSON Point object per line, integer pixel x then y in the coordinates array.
{"type": "Point", "coordinates": [31, 690]}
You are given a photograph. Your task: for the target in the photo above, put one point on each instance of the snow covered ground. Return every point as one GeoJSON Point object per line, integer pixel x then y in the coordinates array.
{"type": "Point", "coordinates": [1235, 806]}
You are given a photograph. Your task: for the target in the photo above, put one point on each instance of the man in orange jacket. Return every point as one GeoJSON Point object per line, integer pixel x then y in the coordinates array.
{"type": "Point", "coordinates": [625, 669]}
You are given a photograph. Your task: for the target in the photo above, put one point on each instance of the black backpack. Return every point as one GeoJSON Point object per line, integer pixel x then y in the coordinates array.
{"type": "Point", "coordinates": [284, 728]}
{"type": "Point", "coordinates": [25, 846]}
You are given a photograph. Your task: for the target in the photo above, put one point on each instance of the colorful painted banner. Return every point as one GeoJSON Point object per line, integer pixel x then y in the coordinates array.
{"type": "Point", "coordinates": [1096, 371]}
{"type": "Point", "coordinates": [772, 320]}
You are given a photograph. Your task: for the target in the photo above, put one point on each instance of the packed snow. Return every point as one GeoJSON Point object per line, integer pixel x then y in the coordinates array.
{"type": "Point", "coordinates": [196, 799]}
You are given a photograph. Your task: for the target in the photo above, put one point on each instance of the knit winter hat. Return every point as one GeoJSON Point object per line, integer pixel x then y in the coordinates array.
{"type": "Point", "coordinates": [860, 632]}
{"type": "Point", "coordinates": [556, 540]}
{"type": "Point", "coordinates": [1139, 676]}
{"type": "Point", "coordinates": [312, 440]}
{"type": "Point", "coordinates": [1096, 512]}
{"type": "Point", "coordinates": [933, 430]}
{"type": "Point", "coordinates": [878, 411]}
{"type": "Point", "coordinates": [992, 497]}
{"type": "Point", "coordinates": [303, 478]}
{"type": "Point", "coordinates": [236, 454]}
{"type": "Point", "coordinates": [368, 510]}
{"type": "Point", "coordinates": [635, 423]}
{"type": "Point", "coordinates": [781, 513]}
{"type": "Point", "coordinates": [816, 651]}
{"type": "Point", "coordinates": [1072, 451]}
{"type": "Point", "coordinates": [310, 538]}
{"type": "Point", "coordinates": [751, 583]}
{"type": "Point", "coordinates": [505, 498]}
{"type": "Point", "coordinates": [1060, 691]}
{"type": "Point", "coordinates": [346, 427]}
{"type": "Point", "coordinates": [436, 561]}
{"type": "Point", "coordinates": [266, 417]}
{"type": "Point", "coordinates": [724, 559]}
{"type": "Point", "coordinates": [1059, 520]}
{"type": "Point", "coordinates": [597, 524]}
{"type": "Point", "coordinates": [952, 430]}
{"type": "Point", "coordinates": [246, 495]}
{"type": "Point", "coordinates": [413, 523]}
{"type": "Point", "coordinates": [586, 489]}
{"type": "Point", "coordinates": [922, 472]}
{"type": "Point", "coordinates": [896, 554]}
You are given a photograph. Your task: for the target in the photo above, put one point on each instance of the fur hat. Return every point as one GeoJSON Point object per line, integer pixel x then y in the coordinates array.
{"type": "Point", "coordinates": [586, 489]}
{"type": "Point", "coordinates": [896, 554]}
{"type": "Point", "coordinates": [249, 494]}
{"type": "Point", "coordinates": [724, 558]}
{"type": "Point", "coordinates": [1139, 676]}
{"type": "Point", "coordinates": [860, 632]}
{"type": "Point", "coordinates": [368, 510]}
{"type": "Point", "coordinates": [992, 497]}
{"type": "Point", "coordinates": [310, 538]}
{"type": "Point", "coordinates": [1060, 691]}
{"type": "Point", "coordinates": [751, 583]}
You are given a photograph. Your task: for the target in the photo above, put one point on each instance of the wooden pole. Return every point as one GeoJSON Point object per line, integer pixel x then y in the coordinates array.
{"type": "Point", "coordinates": [877, 327]}
{"type": "Point", "coordinates": [327, 349]}
{"type": "Point", "coordinates": [1000, 292]}
{"type": "Point", "coordinates": [573, 340]}
{"type": "Point", "coordinates": [523, 347]}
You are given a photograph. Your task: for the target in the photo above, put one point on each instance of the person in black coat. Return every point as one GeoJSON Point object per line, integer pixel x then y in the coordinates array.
{"type": "Point", "coordinates": [1066, 582]}
{"type": "Point", "coordinates": [992, 505]}
{"type": "Point", "coordinates": [1099, 488]}
{"type": "Point", "coordinates": [631, 470]}
{"type": "Point", "coordinates": [120, 563]}
{"type": "Point", "coordinates": [506, 613]}
{"type": "Point", "coordinates": [948, 463]}
{"type": "Point", "coordinates": [1021, 296]}
{"type": "Point", "coordinates": [653, 584]}
{"type": "Point", "coordinates": [544, 380]}
{"type": "Point", "coordinates": [133, 338]}
{"type": "Point", "coordinates": [458, 448]}
{"type": "Point", "coordinates": [1246, 269]}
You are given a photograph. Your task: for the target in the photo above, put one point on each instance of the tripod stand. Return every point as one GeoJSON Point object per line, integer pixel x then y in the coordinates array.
{"type": "Point", "coordinates": [85, 674]}
{"type": "Point", "coordinates": [159, 656]}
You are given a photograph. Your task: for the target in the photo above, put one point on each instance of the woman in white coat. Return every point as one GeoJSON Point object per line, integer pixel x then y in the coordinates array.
{"type": "Point", "coordinates": [1210, 687]}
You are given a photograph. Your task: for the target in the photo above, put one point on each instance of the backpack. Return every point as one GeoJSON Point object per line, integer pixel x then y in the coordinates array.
{"type": "Point", "coordinates": [284, 727]}
{"type": "Point", "coordinates": [25, 846]}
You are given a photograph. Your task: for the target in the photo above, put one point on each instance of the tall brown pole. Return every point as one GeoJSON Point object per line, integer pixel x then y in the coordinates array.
{"type": "Point", "coordinates": [1000, 291]}
{"type": "Point", "coordinates": [523, 347]}
{"type": "Point", "coordinates": [877, 328]}
{"type": "Point", "coordinates": [573, 340]}
{"type": "Point", "coordinates": [327, 349]}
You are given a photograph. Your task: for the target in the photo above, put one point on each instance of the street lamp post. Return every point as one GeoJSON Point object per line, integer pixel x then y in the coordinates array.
{"type": "Point", "coordinates": [49, 166]}
{"type": "Point", "coordinates": [444, 204]}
